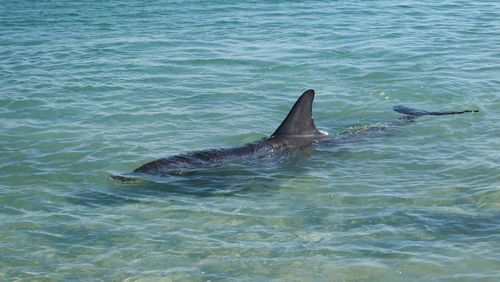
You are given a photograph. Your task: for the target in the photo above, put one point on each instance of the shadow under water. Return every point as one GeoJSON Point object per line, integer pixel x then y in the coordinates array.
{"type": "Point", "coordinates": [260, 174]}
{"type": "Point", "coordinates": [243, 174]}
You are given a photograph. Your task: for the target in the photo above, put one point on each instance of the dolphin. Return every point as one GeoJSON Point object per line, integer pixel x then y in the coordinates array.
{"type": "Point", "coordinates": [295, 132]}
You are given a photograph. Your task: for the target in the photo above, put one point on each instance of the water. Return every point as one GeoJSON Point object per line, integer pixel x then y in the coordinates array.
{"type": "Point", "coordinates": [90, 88]}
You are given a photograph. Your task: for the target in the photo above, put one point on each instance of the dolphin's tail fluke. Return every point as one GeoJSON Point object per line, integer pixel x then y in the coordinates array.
{"type": "Point", "coordinates": [415, 113]}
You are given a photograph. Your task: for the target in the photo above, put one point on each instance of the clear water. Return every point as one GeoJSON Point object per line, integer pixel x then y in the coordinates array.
{"type": "Point", "coordinates": [90, 88]}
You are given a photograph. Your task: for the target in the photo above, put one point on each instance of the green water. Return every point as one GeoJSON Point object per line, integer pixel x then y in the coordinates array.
{"type": "Point", "coordinates": [92, 88]}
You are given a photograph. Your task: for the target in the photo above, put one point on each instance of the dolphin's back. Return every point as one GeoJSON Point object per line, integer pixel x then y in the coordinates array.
{"type": "Point", "coordinates": [180, 164]}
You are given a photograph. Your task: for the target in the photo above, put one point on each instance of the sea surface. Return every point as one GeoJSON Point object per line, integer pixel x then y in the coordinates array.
{"type": "Point", "coordinates": [92, 88]}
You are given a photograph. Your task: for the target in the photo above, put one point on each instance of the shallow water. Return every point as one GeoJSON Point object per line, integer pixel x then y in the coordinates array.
{"type": "Point", "coordinates": [88, 89]}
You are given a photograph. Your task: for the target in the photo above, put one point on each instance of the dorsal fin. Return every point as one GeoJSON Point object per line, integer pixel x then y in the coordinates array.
{"type": "Point", "coordinates": [299, 122]}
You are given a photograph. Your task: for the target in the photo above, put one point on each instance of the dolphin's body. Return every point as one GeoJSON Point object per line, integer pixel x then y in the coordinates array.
{"type": "Point", "coordinates": [296, 131]}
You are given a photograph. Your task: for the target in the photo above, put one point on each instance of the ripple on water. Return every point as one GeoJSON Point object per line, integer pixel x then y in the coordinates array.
{"type": "Point", "coordinates": [89, 90]}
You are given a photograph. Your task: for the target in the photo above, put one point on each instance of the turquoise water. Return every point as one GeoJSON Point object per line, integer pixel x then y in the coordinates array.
{"type": "Point", "coordinates": [92, 88]}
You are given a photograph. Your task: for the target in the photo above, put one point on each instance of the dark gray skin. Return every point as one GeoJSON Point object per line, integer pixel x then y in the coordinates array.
{"type": "Point", "coordinates": [181, 164]}
{"type": "Point", "coordinates": [295, 132]}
